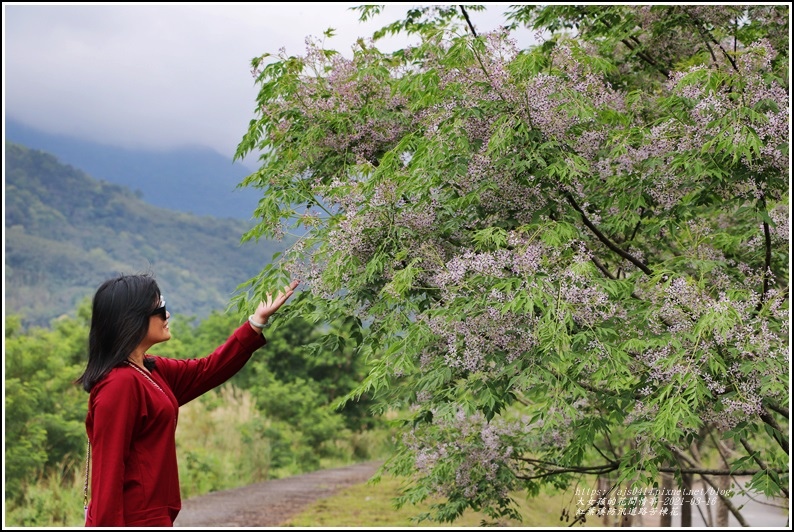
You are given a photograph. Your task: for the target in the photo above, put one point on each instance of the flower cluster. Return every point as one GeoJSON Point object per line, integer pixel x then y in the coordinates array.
{"type": "Point", "coordinates": [479, 448]}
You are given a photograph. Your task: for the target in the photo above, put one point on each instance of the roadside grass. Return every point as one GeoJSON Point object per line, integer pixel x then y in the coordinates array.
{"type": "Point", "coordinates": [372, 505]}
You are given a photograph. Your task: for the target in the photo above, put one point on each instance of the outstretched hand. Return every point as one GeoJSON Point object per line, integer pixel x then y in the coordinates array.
{"type": "Point", "coordinates": [271, 304]}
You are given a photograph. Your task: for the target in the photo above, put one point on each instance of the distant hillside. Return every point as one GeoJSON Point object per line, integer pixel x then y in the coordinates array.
{"type": "Point", "coordinates": [66, 232]}
{"type": "Point", "coordinates": [191, 180]}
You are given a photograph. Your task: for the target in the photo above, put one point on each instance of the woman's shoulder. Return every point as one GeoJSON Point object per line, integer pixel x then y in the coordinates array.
{"type": "Point", "coordinates": [120, 376]}
{"type": "Point", "coordinates": [119, 387]}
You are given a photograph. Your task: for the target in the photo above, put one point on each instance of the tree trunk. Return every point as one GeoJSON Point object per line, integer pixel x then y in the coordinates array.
{"type": "Point", "coordinates": [724, 483]}
{"type": "Point", "coordinates": [686, 500]}
{"type": "Point", "coordinates": [666, 519]}
{"type": "Point", "coordinates": [603, 490]}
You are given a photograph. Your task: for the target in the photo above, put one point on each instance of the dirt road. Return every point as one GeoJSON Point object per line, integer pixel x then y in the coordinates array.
{"type": "Point", "coordinates": [272, 503]}
{"type": "Point", "coordinates": [269, 503]}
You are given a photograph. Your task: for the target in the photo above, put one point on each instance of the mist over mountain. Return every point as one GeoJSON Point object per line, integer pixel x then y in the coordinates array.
{"type": "Point", "coordinates": [66, 232]}
{"type": "Point", "coordinates": [194, 180]}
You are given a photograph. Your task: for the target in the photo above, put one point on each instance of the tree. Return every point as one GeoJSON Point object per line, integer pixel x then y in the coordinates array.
{"type": "Point", "coordinates": [44, 410]}
{"type": "Point", "coordinates": [571, 260]}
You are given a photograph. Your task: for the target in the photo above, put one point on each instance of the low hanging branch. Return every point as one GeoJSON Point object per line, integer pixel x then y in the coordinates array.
{"type": "Point", "coordinates": [549, 468]}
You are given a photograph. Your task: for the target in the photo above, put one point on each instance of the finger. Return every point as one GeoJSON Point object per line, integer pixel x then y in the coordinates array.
{"type": "Point", "coordinates": [289, 290]}
{"type": "Point", "coordinates": [282, 296]}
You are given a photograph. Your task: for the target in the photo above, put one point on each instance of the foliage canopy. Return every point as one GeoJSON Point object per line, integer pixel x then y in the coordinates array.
{"type": "Point", "coordinates": [566, 261]}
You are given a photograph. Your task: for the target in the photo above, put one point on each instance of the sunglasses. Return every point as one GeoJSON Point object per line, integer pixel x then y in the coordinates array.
{"type": "Point", "coordinates": [159, 310]}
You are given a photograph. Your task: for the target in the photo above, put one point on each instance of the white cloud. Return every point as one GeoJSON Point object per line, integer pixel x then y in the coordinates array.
{"type": "Point", "coordinates": [158, 75]}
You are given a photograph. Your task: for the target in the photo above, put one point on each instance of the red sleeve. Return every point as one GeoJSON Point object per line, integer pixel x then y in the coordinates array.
{"type": "Point", "coordinates": [190, 378]}
{"type": "Point", "coordinates": [116, 406]}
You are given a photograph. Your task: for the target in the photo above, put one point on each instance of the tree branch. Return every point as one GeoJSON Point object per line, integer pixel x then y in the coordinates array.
{"type": "Point", "coordinates": [642, 55]}
{"type": "Point", "coordinates": [783, 411]}
{"type": "Point", "coordinates": [599, 451]}
{"type": "Point", "coordinates": [551, 469]}
{"type": "Point", "coordinates": [590, 387]}
{"type": "Point", "coordinates": [751, 452]}
{"type": "Point", "coordinates": [645, 57]}
{"type": "Point", "coordinates": [767, 260]}
{"type": "Point", "coordinates": [758, 460]}
{"type": "Point", "coordinates": [468, 20]}
{"type": "Point", "coordinates": [602, 268]}
{"type": "Point", "coordinates": [606, 241]}
{"type": "Point", "coordinates": [681, 456]}
{"type": "Point", "coordinates": [704, 32]}
{"type": "Point", "coordinates": [781, 440]}
{"type": "Point", "coordinates": [726, 501]}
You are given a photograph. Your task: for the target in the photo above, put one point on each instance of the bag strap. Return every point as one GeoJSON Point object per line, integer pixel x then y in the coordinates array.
{"type": "Point", "coordinates": [87, 465]}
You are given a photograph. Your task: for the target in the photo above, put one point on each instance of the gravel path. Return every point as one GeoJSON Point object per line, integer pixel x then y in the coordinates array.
{"type": "Point", "coordinates": [270, 503]}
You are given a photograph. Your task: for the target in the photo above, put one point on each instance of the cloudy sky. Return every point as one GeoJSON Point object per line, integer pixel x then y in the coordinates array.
{"type": "Point", "coordinates": [161, 75]}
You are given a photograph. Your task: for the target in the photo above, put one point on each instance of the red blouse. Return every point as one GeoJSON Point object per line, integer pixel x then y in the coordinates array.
{"type": "Point", "coordinates": [131, 424]}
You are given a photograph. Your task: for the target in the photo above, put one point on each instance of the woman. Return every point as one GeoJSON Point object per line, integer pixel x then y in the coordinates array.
{"type": "Point", "coordinates": [135, 398]}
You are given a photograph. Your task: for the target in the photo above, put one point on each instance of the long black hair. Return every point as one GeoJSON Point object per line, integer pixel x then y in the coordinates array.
{"type": "Point", "coordinates": [119, 322]}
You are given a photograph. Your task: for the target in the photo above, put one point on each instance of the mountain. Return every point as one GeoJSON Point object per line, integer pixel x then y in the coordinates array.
{"type": "Point", "coordinates": [66, 232]}
{"type": "Point", "coordinates": [192, 180]}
